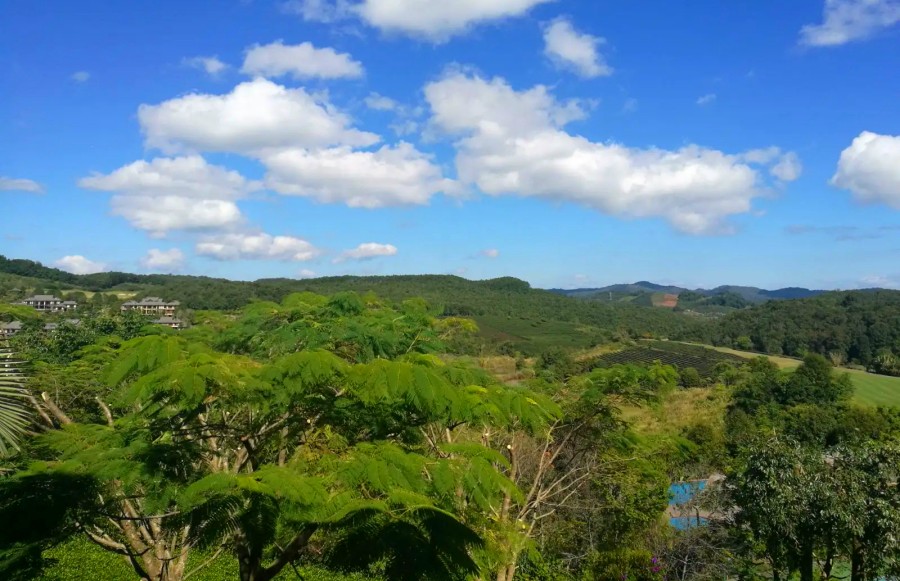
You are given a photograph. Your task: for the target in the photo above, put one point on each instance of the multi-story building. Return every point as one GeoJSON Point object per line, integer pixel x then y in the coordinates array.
{"type": "Point", "coordinates": [169, 322]}
{"type": "Point", "coordinates": [49, 304]}
{"type": "Point", "coordinates": [152, 306]}
{"type": "Point", "coordinates": [10, 329]}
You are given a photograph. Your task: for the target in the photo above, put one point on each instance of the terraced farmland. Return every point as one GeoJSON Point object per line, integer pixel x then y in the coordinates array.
{"type": "Point", "coordinates": [679, 355]}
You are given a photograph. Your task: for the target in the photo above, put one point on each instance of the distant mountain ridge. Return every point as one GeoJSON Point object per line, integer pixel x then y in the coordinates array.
{"type": "Point", "coordinates": [751, 294]}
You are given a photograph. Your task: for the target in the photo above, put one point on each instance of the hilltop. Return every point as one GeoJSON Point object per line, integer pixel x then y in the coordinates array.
{"type": "Point", "coordinates": [751, 294]}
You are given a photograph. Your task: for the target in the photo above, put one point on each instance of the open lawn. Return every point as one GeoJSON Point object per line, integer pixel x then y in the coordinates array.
{"type": "Point", "coordinates": [871, 388]}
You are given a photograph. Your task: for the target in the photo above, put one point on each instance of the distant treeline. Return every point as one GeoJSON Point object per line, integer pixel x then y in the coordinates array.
{"type": "Point", "coordinates": [849, 327]}
{"type": "Point", "coordinates": [861, 327]}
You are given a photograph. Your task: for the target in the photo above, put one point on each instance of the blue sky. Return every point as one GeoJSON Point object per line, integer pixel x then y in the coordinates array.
{"type": "Point", "coordinates": [568, 143]}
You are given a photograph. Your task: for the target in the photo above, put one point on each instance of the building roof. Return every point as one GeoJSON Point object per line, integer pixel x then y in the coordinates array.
{"type": "Point", "coordinates": [150, 301]}
{"type": "Point", "coordinates": [42, 298]}
{"type": "Point", "coordinates": [13, 326]}
{"type": "Point", "coordinates": [167, 321]}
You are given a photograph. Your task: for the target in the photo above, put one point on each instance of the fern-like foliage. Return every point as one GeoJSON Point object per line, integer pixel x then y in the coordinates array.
{"type": "Point", "coordinates": [14, 409]}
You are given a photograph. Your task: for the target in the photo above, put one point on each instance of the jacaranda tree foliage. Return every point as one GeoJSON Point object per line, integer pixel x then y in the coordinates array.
{"type": "Point", "coordinates": [304, 428]}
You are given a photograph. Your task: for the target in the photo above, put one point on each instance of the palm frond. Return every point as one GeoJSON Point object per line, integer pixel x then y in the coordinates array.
{"type": "Point", "coordinates": [14, 408]}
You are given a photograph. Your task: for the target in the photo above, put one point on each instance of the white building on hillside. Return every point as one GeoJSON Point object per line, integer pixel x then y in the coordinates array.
{"type": "Point", "coordinates": [49, 304]}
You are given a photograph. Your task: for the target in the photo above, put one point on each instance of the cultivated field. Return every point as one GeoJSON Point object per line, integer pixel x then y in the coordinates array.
{"type": "Point", "coordinates": [680, 355]}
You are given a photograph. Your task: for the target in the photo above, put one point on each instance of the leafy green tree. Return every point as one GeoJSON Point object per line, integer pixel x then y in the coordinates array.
{"type": "Point", "coordinates": [690, 377]}
{"type": "Point", "coordinates": [269, 459]}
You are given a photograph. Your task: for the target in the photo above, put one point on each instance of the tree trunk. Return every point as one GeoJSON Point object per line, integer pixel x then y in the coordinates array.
{"type": "Point", "coordinates": [806, 563]}
{"type": "Point", "coordinates": [857, 564]}
{"type": "Point", "coordinates": [828, 565]}
{"type": "Point", "coordinates": [250, 561]}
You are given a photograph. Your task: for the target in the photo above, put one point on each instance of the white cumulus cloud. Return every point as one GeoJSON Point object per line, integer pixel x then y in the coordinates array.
{"type": "Point", "coordinates": [182, 193]}
{"type": "Point", "coordinates": [19, 185]}
{"type": "Point", "coordinates": [432, 20]}
{"type": "Point", "coordinates": [845, 21]}
{"type": "Point", "coordinates": [574, 50]}
{"type": "Point", "coordinates": [190, 176]}
{"type": "Point", "coordinates": [389, 176]}
{"type": "Point", "coordinates": [77, 264]}
{"type": "Point", "coordinates": [163, 260]}
{"type": "Point", "coordinates": [788, 167]}
{"type": "Point", "coordinates": [160, 214]}
{"type": "Point", "coordinates": [308, 147]}
{"type": "Point", "coordinates": [258, 246]}
{"type": "Point", "coordinates": [210, 64]}
{"type": "Point", "coordinates": [255, 116]}
{"type": "Point", "coordinates": [381, 103]}
{"type": "Point", "coordinates": [513, 143]}
{"type": "Point", "coordinates": [319, 10]}
{"type": "Point", "coordinates": [301, 61]}
{"type": "Point", "coordinates": [438, 21]}
{"type": "Point", "coordinates": [870, 169]}
{"type": "Point", "coordinates": [366, 251]}
{"type": "Point", "coordinates": [306, 273]}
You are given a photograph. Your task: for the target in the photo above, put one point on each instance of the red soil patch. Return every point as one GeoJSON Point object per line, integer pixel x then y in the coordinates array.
{"type": "Point", "coordinates": [669, 301]}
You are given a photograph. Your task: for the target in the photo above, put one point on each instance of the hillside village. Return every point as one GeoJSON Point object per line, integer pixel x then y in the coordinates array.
{"type": "Point", "coordinates": [155, 309]}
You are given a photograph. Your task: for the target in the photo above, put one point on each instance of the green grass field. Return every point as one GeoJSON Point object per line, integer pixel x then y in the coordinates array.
{"type": "Point", "coordinates": [871, 389]}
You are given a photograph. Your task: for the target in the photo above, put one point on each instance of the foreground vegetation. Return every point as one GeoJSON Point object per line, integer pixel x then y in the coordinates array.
{"type": "Point", "coordinates": [352, 436]}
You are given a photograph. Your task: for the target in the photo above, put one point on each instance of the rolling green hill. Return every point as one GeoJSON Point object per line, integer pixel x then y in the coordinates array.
{"type": "Point", "coordinates": [507, 309]}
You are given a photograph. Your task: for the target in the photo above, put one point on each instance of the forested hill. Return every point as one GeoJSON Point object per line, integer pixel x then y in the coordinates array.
{"type": "Point", "coordinates": [850, 327]}
{"type": "Point", "coordinates": [506, 309]}
{"type": "Point", "coordinates": [750, 294]}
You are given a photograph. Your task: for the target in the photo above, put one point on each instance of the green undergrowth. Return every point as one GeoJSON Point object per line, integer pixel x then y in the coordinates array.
{"type": "Point", "coordinates": [79, 560]}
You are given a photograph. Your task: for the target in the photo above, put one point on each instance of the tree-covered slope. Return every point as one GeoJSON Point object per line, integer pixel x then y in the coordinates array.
{"type": "Point", "coordinates": [851, 326]}
{"type": "Point", "coordinates": [507, 309]}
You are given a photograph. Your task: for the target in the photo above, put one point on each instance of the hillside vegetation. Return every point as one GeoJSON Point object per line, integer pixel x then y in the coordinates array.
{"type": "Point", "coordinates": [508, 310]}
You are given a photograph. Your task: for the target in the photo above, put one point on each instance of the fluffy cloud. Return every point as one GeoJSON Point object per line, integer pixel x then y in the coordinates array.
{"type": "Point", "coordinates": [163, 260]}
{"type": "Point", "coordinates": [707, 99]}
{"type": "Point", "coordinates": [211, 64]}
{"type": "Point", "coordinates": [389, 176]}
{"type": "Point", "coordinates": [306, 273]}
{"type": "Point", "coordinates": [20, 185]}
{"type": "Point", "coordinates": [183, 193]}
{"type": "Point", "coordinates": [256, 115]}
{"type": "Point", "coordinates": [429, 19]}
{"type": "Point", "coordinates": [438, 21]}
{"type": "Point", "coordinates": [189, 176]}
{"type": "Point", "coordinates": [160, 214]}
{"type": "Point", "coordinates": [319, 10]}
{"type": "Point", "coordinates": [261, 246]}
{"type": "Point", "coordinates": [571, 49]}
{"type": "Point", "coordinates": [77, 264]}
{"type": "Point", "coordinates": [870, 169]}
{"type": "Point", "coordinates": [81, 76]}
{"type": "Point", "coordinates": [301, 61]}
{"type": "Point", "coordinates": [490, 253]}
{"type": "Point", "coordinates": [788, 167]}
{"type": "Point", "coordinates": [366, 251]}
{"type": "Point", "coordinates": [381, 103]}
{"type": "Point", "coordinates": [308, 147]}
{"type": "Point", "coordinates": [513, 143]}
{"type": "Point", "coordinates": [844, 21]}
